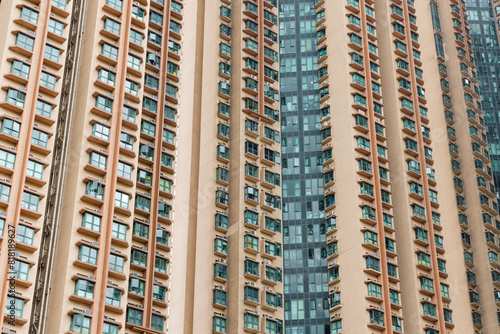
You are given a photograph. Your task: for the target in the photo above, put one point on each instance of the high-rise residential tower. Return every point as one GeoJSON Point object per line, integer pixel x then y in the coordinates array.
{"type": "Point", "coordinates": [411, 216]}
{"type": "Point", "coordinates": [116, 115]}
{"type": "Point", "coordinates": [141, 152]}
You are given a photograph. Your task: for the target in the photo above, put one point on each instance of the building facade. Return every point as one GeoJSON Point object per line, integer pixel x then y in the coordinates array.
{"type": "Point", "coordinates": [104, 93]}
{"type": "Point", "coordinates": [141, 158]}
{"type": "Point", "coordinates": [484, 33]}
{"type": "Point", "coordinates": [409, 196]}
{"type": "Point", "coordinates": [304, 234]}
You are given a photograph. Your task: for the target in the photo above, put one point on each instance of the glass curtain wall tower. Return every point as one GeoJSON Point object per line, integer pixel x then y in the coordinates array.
{"type": "Point", "coordinates": [304, 235]}
{"type": "Point", "coordinates": [484, 33]}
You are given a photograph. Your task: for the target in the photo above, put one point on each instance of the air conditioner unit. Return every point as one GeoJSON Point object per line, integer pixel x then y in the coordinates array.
{"type": "Point", "coordinates": [253, 284]}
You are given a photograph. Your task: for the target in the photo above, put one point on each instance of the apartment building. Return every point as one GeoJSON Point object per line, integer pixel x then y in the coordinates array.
{"type": "Point", "coordinates": [124, 210]}
{"type": "Point", "coordinates": [121, 130]}
{"type": "Point", "coordinates": [409, 197]}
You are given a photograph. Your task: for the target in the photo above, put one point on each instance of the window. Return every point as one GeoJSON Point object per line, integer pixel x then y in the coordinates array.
{"type": "Point", "coordinates": [21, 270]}
{"type": "Point", "coordinates": [273, 274]}
{"type": "Point", "coordinates": [220, 245]}
{"type": "Point", "coordinates": [138, 13]}
{"type": "Point", "coordinates": [97, 160]}
{"type": "Point", "coordinates": [87, 254]}
{"type": "Point", "coordinates": [126, 141]}
{"type": "Point", "coordinates": [336, 327]}
{"type": "Point", "coordinates": [136, 37]}
{"type": "Point", "coordinates": [148, 128]}
{"type": "Point", "coordinates": [154, 38]}
{"type": "Point", "coordinates": [106, 76]}
{"type": "Point", "coordinates": [220, 270]}
{"type": "Point", "coordinates": [445, 290]}
{"type": "Point", "coordinates": [119, 231]}
{"type": "Point", "coordinates": [251, 242]}
{"type": "Point", "coordinates": [109, 51]}
{"type": "Point", "coordinates": [157, 322]}
{"type": "Point", "coordinates": [134, 316]}
{"type": "Point", "coordinates": [25, 234]}
{"type": "Point", "coordinates": [251, 321]}
{"type": "Point", "coordinates": [15, 97]}
{"type": "Point", "coordinates": [251, 294]}
{"type": "Point", "coordinates": [60, 4]}
{"type": "Point", "coordinates": [251, 267]}
{"type": "Point", "coordinates": [372, 263]}
{"type": "Point", "coordinates": [104, 103]}
{"type": "Point", "coordinates": [116, 263]}
{"type": "Point", "coordinates": [113, 296]}
{"type": "Point", "coordinates": [251, 193]}
{"type": "Point", "coordinates": [168, 136]}
{"type": "Point", "coordinates": [376, 317]}
{"type": "Point", "coordinates": [149, 104]}
{"type": "Point", "coordinates": [394, 296]}
{"type": "Point", "coordinates": [43, 108]}
{"type": "Point", "coordinates": [108, 328]}
{"type": "Point", "coordinates": [139, 258]}
{"type": "Point", "coordinates": [162, 237]}
{"type": "Point", "coordinates": [112, 26]}
{"type": "Point", "coordinates": [222, 197]}
{"type": "Point", "coordinates": [122, 200]}
{"type": "Point", "coordinates": [173, 47]}
{"type": "Point", "coordinates": [141, 230]}
{"type": "Point", "coordinates": [131, 87]}
{"type": "Point", "coordinates": [56, 27]}
{"type": "Point", "coordinates": [143, 203]}
{"type": "Point", "coordinates": [429, 309]}
{"type": "Point", "coordinates": [167, 160]}
{"type": "Point", "coordinates": [370, 237]}
{"type": "Point", "coordinates": [39, 138]}
{"type": "Point", "coordinates": [272, 224]}
{"type": "Point", "coordinates": [171, 90]}
{"type": "Point", "coordinates": [219, 324]}
{"type": "Point", "coordinates": [374, 290]}
{"type": "Point", "coordinates": [220, 297]}
{"type": "Point", "coordinates": [156, 18]}
{"type": "Point", "coordinates": [91, 221]}
{"type": "Point", "coordinates": [129, 114]}
{"type": "Point", "coordinates": [221, 221]}
{"type": "Point", "coordinates": [273, 249]}
{"type": "Point", "coordinates": [100, 131]}
{"type": "Point", "coordinates": [10, 127]}
{"type": "Point", "coordinates": [424, 258]}
{"type": "Point", "coordinates": [19, 68]}
{"type": "Point", "coordinates": [144, 177]}
{"type": "Point", "coordinates": [84, 288]}
{"type": "Point", "coordinates": [29, 15]}
{"type": "Point", "coordinates": [35, 169]}
{"type": "Point", "coordinates": [159, 292]}
{"type": "Point", "coordinates": [14, 306]}
{"type": "Point", "coordinates": [7, 159]}
{"type": "Point", "coordinates": [25, 42]}
{"type": "Point", "coordinates": [151, 82]}
{"type": "Point", "coordinates": [52, 53]}
{"type": "Point", "coordinates": [161, 265]}
{"type": "Point", "coordinates": [80, 324]}
{"type": "Point", "coordinates": [136, 286]}
{"type": "Point", "coordinates": [30, 201]}
{"type": "Point", "coordinates": [271, 327]}
{"type": "Point", "coordinates": [124, 170]}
